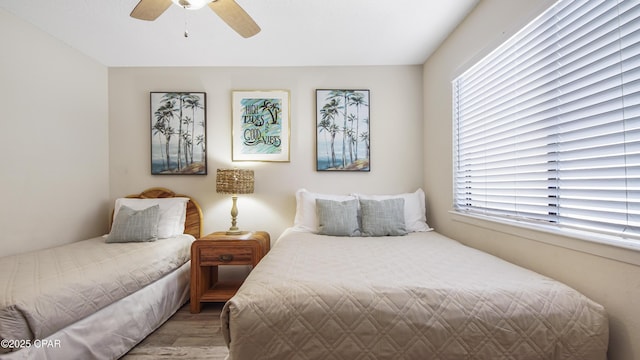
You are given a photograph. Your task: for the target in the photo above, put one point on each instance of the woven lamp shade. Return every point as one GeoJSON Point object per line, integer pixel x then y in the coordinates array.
{"type": "Point", "coordinates": [234, 181]}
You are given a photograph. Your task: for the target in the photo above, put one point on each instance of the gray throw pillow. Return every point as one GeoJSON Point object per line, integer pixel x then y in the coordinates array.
{"type": "Point", "coordinates": [135, 225]}
{"type": "Point", "coordinates": [337, 218]}
{"type": "Point", "coordinates": [383, 217]}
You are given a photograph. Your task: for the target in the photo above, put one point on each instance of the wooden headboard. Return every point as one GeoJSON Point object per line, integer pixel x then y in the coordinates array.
{"type": "Point", "coordinates": [193, 223]}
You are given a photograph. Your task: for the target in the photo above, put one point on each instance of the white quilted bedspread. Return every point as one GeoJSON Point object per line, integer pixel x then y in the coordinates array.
{"type": "Point", "coordinates": [420, 296]}
{"type": "Point", "coordinates": [41, 292]}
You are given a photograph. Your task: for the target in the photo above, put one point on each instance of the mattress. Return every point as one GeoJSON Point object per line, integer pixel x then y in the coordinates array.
{"type": "Point", "coordinates": [44, 291]}
{"type": "Point", "coordinates": [420, 296]}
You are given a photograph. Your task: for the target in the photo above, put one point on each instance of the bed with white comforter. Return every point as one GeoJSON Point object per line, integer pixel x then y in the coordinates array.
{"type": "Point", "coordinates": [45, 291]}
{"type": "Point", "coordinates": [95, 299]}
{"type": "Point", "coordinates": [417, 296]}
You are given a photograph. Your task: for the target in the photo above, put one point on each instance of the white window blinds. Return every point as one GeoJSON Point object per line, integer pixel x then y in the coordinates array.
{"type": "Point", "coordinates": [547, 127]}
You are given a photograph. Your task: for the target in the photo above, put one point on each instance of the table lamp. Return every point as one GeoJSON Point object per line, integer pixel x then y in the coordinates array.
{"type": "Point", "coordinates": [234, 182]}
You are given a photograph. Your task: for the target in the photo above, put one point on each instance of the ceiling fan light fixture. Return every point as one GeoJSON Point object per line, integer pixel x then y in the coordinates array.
{"type": "Point", "coordinates": [228, 10]}
{"type": "Point", "coordinates": [192, 4]}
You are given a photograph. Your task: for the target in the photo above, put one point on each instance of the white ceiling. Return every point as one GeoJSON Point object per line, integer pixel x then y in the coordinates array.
{"type": "Point", "coordinates": [294, 32]}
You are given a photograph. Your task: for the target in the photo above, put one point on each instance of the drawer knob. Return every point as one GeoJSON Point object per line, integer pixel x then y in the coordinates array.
{"type": "Point", "coordinates": [225, 257]}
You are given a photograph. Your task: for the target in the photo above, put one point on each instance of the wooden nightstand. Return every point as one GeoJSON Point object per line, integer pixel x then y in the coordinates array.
{"type": "Point", "coordinates": [218, 248]}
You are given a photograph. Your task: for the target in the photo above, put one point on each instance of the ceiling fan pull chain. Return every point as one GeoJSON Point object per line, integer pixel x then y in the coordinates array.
{"type": "Point", "coordinates": [186, 31]}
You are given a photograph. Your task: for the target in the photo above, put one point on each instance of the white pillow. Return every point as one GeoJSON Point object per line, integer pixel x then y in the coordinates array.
{"type": "Point", "coordinates": [415, 210]}
{"type": "Point", "coordinates": [306, 217]}
{"type": "Point", "coordinates": [173, 213]}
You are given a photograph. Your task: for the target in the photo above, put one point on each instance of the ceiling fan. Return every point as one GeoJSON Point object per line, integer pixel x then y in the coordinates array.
{"type": "Point", "coordinates": [227, 10]}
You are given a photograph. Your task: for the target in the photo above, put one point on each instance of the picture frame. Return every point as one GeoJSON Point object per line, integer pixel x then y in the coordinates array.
{"type": "Point", "coordinates": [178, 133]}
{"type": "Point", "coordinates": [342, 130]}
{"type": "Point", "coordinates": [260, 125]}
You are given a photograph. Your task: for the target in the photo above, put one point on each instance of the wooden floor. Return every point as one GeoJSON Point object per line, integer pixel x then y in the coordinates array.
{"type": "Point", "coordinates": [185, 336]}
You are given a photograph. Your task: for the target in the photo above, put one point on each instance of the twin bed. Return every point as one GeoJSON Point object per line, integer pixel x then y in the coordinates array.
{"type": "Point", "coordinates": [418, 295]}
{"type": "Point", "coordinates": [97, 298]}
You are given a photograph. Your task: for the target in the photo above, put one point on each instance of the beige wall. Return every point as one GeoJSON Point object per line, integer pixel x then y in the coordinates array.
{"type": "Point", "coordinates": [613, 280]}
{"type": "Point", "coordinates": [54, 168]}
{"type": "Point", "coordinates": [396, 136]}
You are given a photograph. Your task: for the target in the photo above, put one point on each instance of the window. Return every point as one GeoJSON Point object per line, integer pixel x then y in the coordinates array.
{"type": "Point", "coordinates": [547, 127]}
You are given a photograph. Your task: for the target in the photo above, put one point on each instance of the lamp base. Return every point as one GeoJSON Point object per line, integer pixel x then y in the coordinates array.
{"type": "Point", "coordinates": [236, 232]}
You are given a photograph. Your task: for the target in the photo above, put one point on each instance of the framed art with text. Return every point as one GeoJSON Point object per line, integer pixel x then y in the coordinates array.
{"type": "Point", "coordinates": [342, 130]}
{"type": "Point", "coordinates": [260, 125]}
{"type": "Point", "coordinates": [178, 133]}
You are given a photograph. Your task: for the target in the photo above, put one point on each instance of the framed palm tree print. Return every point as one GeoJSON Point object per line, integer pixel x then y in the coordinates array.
{"type": "Point", "coordinates": [178, 133]}
{"type": "Point", "coordinates": [342, 130]}
{"type": "Point", "coordinates": [260, 125]}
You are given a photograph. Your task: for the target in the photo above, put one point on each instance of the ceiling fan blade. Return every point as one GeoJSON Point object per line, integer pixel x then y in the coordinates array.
{"type": "Point", "coordinates": [150, 9]}
{"type": "Point", "coordinates": [235, 17]}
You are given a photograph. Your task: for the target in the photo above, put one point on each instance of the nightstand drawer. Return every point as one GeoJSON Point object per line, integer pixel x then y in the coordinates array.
{"type": "Point", "coordinates": [226, 255]}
